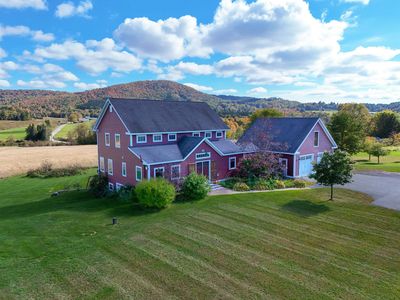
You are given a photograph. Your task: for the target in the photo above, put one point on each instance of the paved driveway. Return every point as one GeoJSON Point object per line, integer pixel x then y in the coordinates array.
{"type": "Point", "coordinates": [383, 187]}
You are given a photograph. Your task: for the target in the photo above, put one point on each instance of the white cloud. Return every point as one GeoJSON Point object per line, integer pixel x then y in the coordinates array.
{"type": "Point", "coordinates": [164, 40]}
{"type": "Point", "coordinates": [90, 86]}
{"type": "Point", "coordinates": [3, 53]}
{"type": "Point", "coordinates": [36, 4]}
{"type": "Point", "coordinates": [225, 92]}
{"type": "Point", "coordinates": [365, 2]}
{"type": "Point", "coordinates": [41, 84]}
{"type": "Point", "coordinates": [93, 57]}
{"type": "Point", "coordinates": [69, 9]}
{"type": "Point", "coordinates": [177, 72]}
{"type": "Point", "coordinates": [4, 83]}
{"type": "Point", "coordinates": [257, 90]}
{"type": "Point", "coordinates": [201, 88]}
{"type": "Point", "coordinates": [36, 35]}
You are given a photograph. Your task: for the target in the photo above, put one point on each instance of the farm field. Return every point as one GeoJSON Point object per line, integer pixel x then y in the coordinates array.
{"type": "Point", "coordinates": [18, 160]}
{"type": "Point", "coordinates": [16, 129]}
{"type": "Point", "coordinates": [390, 163]}
{"type": "Point", "coordinates": [70, 127]}
{"type": "Point", "coordinates": [292, 244]}
{"type": "Point", "coordinates": [17, 133]}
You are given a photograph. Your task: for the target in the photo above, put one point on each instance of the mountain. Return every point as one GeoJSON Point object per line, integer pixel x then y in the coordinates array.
{"type": "Point", "coordinates": [39, 103]}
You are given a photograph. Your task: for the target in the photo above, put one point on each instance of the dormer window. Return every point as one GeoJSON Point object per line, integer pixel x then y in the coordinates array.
{"type": "Point", "coordinates": [171, 137]}
{"type": "Point", "coordinates": [140, 139]}
{"type": "Point", "coordinates": [219, 134]}
{"type": "Point", "coordinates": [208, 134]}
{"type": "Point", "coordinates": [196, 134]}
{"type": "Point", "coordinates": [157, 138]}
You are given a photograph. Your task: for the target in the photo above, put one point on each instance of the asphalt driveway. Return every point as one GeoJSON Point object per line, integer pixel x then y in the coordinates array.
{"type": "Point", "coordinates": [383, 187]}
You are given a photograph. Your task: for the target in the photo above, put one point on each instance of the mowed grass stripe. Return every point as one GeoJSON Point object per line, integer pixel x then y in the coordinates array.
{"type": "Point", "coordinates": [317, 283]}
{"type": "Point", "coordinates": [284, 248]}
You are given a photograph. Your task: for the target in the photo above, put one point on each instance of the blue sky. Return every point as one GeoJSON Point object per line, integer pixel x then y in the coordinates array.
{"type": "Point", "coordinates": [334, 50]}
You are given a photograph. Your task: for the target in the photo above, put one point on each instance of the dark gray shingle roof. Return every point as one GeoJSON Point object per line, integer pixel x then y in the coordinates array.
{"type": "Point", "coordinates": [142, 116]}
{"type": "Point", "coordinates": [227, 146]}
{"type": "Point", "coordinates": [278, 134]}
{"type": "Point", "coordinates": [188, 143]}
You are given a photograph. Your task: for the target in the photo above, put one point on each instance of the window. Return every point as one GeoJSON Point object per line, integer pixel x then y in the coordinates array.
{"type": "Point", "coordinates": [140, 139]}
{"type": "Point", "coordinates": [101, 164]}
{"type": "Point", "coordinates": [219, 134]}
{"type": "Point", "coordinates": [171, 137]}
{"type": "Point", "coordinates": [123, 169]}
{"type": "Point", "coordinates": [139, 174]}
{"type": "Point", "coordinates": [232, 163]}
{"type": "Point", "coordinates": [110, 186]}
{"type": "Point", "coordinates": [107, 139]}
{"type": "Point", "coordinates": [208, 134]}
{"type": "Point", "coordinates": [196, 134]}
{"type": "Point", "coordinates": [117, 140]}
{"type": "Point", "coordinates": [110, 167]}
{"type": "Point", "coordinates": [316, 139]}
{"type": "Point", "coordinates": [159, 172]}
{"type": "Point", "coordinates": [175, 172]}
{"type": "Point", "coordinates": [203, 155]}
{"type": "Point", "coordinates": [111, 108]}
{"type": "Point", "coordinates": [118, 186]}
{"type": "Point", "coordinates": [319, 157]}
{"type": "Point", "coordinates": [157, 138]}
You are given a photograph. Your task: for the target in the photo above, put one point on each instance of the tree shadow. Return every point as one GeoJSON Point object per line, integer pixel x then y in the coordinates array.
{"type": "Point", "coordinates": [305, 208]}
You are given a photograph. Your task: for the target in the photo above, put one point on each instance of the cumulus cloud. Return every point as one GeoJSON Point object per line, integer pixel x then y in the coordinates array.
{"type": "Point", "coordinates": [41, 84]}
{"type": "Point", "coordinates": [365, 2]}
{"type": "Point", "coordinates": [4, 83]}
{"type": "Point", "coordinates": [225, 92]}
{"type": "Point", "coordinates": [69, 9]}
{"type": "Point", "coordinates": [36, 4]}
{"type": "Point", "coordinates": [90, 86]}
{"type": "Point", "coordinates": [257, 90]}
{"type": "Point", "coordinates": [201, 88]}
{"type": "Point", "coordinates": [93, 57]}
{"type": "Point", "coordinates": [36, 35]}
{"type": "Point", "coordinates": [3, 53]}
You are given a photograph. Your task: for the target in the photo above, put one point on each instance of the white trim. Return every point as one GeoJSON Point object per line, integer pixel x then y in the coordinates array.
{"type": "Point", "coordinates": [141, 173]}
{"type": "Point", "coordinates": [108, 166]}
{"type": "Point", "coordinates": [229, 163]}
{"type": "Point", "coordinates": [158, 168]}
{"type": "Point", "coordinates": [115, 140]}
{"type": "Point", "coordinates": [111, 186]}
{"type": "Point", "coordinates": [287, 164]}
{"type": "Point", "coordinates": [148, 172]}
{"type": "Point", "coordinates": [118, 186]}
{"type": "Point", "coordinates": [206, 133]}
{"type": "Point", "coordinates": [101, 160]}
{"type": "Point", "coordinates": [123, 166]}
{"type": "Point", "coordinates": [105, 139]}
{"type": "Point", "coordinates": [219, 134]}
{"type": "Point", "coordinates": [160, 135]}
{"type": "Point", "coordinates": [196, 134]}
{"type": "Point", "coordinates": [294, 164]}
{"type": "Point", "coordinates": [209, 167]}
{"type": "Point", "coordinates": [208, 155]}
{"type": "Point", "coordinates": [179, 172]}
{"type": "Point", "coordinates": [318, 155]}
{"type": "Point", "coordinates": [178, 131]}
{"type": "Point", "coordinates": [171, 140]}
{"type": "Point", "coordinates": [141, 135]}
{"type": "Point", "coordinates": [316, 146]}
{"type": "Point", "coordinates": [102, 113]}
{"type": "Point", "coordinates": [319, 121]}
{"type": "Point", "coordinates": [138, 156]}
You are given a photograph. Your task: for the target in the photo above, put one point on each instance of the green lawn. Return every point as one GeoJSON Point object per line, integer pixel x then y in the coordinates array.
{"type": "Point", "coordinates": [291, 244]}
{"type": "Point", "coordinates": [17, 133]}
{"type": "Point", "coordinates": [70, 127]}
{"type": "Point", "coordinates": [390, 163]}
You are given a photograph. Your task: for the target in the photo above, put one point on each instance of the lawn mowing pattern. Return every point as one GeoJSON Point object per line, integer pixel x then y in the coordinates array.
{"type": "Point", "coordinates": [286, 244]}
{"type": "Point", "coordinates": [389, 163]}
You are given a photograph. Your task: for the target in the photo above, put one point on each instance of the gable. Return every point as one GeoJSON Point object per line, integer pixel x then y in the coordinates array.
{"type": "Point", "coordinates": [325, 142]}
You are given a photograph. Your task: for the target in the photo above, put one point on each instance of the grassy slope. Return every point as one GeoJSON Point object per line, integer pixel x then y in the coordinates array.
{"type": "Point", "coordinates": [283, 244]}
{"type": "Point", "coordinates": [63, 134]}
{"type": "Point", "coordinates": [390, 163]}
{"type": "Point", "coordinates": [17, 133]}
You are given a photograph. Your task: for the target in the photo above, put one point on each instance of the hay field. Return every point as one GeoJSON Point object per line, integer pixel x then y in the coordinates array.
{"type": "Point", "coordinates": [18, 160]}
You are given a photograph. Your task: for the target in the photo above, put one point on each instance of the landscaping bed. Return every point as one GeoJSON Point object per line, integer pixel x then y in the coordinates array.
{"type": "Point", "coordinates": [240, 184]}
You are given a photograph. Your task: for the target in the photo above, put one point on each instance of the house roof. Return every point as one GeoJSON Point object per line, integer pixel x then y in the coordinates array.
{"type": "Point", "coordinates": [146, 116]}
{"type": "Point", "coordinates": [278, 134]}
{"type": "Point", "coordinates": [227, 147]}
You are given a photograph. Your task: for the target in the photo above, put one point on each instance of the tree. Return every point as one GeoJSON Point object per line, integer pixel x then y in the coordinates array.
{"type": "Point", "coordinates": [334, 168]}
{"type": "Point", "coordinates": [84, 134]}
{"type": "Point", "coordinates": [265, 113]}
{"type": "Point", "coordinates": [368, 143]}
{"type": "Point", "coordinates": [74, 117]}
{"type": "Point", "coordinates": [386, 123]}
{"type": "Point", "coordinates": [377, 150]}
{"type": "Point", "coordinates": [349, 127]}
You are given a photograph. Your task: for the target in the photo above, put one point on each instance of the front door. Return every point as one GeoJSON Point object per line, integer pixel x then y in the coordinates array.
{"type": "Point", "coordinates": [203, 168]}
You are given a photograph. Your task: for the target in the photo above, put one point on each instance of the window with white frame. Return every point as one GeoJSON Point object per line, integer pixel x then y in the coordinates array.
{"type": "Point", "coordinates": [111, 186]}
{"type": "Point", "coordinates": [123, 169]}
{"type": "Point", "coordinates": [316, 139]}
{"type": "Point", "coordinates": [118, 186]}
{"type": "Point", "coordinates": [203, 155]}
{"type": "Point", "coordinates": [208, 134]}
{"type": "Point", "coordinates": [110, 169]}
{"type": "Point", "coordinates": [171, 137]}
{"type": "Point", "coordinates": [157, 138]}
{"type": "Point", "coordinates": [139, 174]}
{"type": "Point", "coordinates": [101, 164]}
{"type": "Point", "coordinates": [117, 140]}
{"type": "Point", "coordinates": [319, 157]}
{"type": "Point", "coordinates": [197, 134]}
{"type": "Point", "coordinates": [175, 172]}
{"type": "Point", "coordinates": [107, 139]}
{"type": "Point", "coordinates": [232, 163]}
{"type": "Point", "coordinates": [140, 139]}
{"type": "Point", "coordinates": [219, 134]}
{"type": "Point", "coordinates": [159, 172]}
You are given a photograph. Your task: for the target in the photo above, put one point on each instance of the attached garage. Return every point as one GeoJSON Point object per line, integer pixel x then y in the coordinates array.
{"type": "Point", "coordinates": [306, 165]}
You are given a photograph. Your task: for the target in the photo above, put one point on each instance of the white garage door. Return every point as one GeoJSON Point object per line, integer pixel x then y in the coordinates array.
{"type": "Point", "coordinates": [306, 166]}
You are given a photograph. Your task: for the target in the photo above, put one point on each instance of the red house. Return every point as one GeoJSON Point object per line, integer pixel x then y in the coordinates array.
{"type": "Point", "coordinates": [300, 142]}
{"type": "Point", "coordinates": [143, 139]}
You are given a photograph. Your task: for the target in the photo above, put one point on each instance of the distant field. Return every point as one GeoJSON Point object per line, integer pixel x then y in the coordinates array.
{"type": "Point", "coordinates": [18, 160]}
{"type": "Point", "coordinates": [70, 127]}
{"type": "Point", "coordinates": [390, 163]}
{"type": "Point", "coordinates": [17, 133]}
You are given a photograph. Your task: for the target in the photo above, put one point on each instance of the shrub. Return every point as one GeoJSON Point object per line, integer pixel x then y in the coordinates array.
{"type": "Point", "coordinates": [98, 185]}
{"type": "Point", "coordinates": [279, 184]}
{"type": "Point", "coordinates": [241, 187]}
{"type": "Point", "coordinates": [195, 187]}
{"type": "Point", "coordinates": [260, 165]}
{"type": "Point", "coordinates": [155, 193]}
{"type": "Point", "coordinates": [297, 183]}
{"type": "Point", "coordinates": [230, 182]}
{"type": "Point", "coordinates": [46, 170]}
{"type": "Point", "coordinates": [264, 184]}
{"type": "Point", "coordinates": [127, 193]}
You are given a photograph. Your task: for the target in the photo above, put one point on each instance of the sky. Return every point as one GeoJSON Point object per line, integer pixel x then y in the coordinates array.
{"type": "Point", "coordinates": [316, 50]}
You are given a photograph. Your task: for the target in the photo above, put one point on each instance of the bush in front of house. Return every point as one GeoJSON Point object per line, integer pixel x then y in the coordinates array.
{"type": "Point", "coordinates": [259, 165]}
{"type": "Point", "coordinates": [155, 193]}
{"type": "Point", "coordinates": [98, 185]}
{"type": "Point", "coordinates": [298, 183]}
{"type": "Point", "coordinates": [127, 193]}
{"type": "Point", "coordinates": [264, 184]}
{"type": "Point", "coordinates": [195, 187]}
{"type": "Point", "coordinates": [280, 184]}
{"type": "Point", "coordinates": [241, 187]}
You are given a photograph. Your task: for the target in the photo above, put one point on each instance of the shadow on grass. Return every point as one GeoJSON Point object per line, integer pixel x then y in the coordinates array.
{"type": "Point", "coordinates": [304, 208]}
{"type": "Point", "coordinates": [81, 201]}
